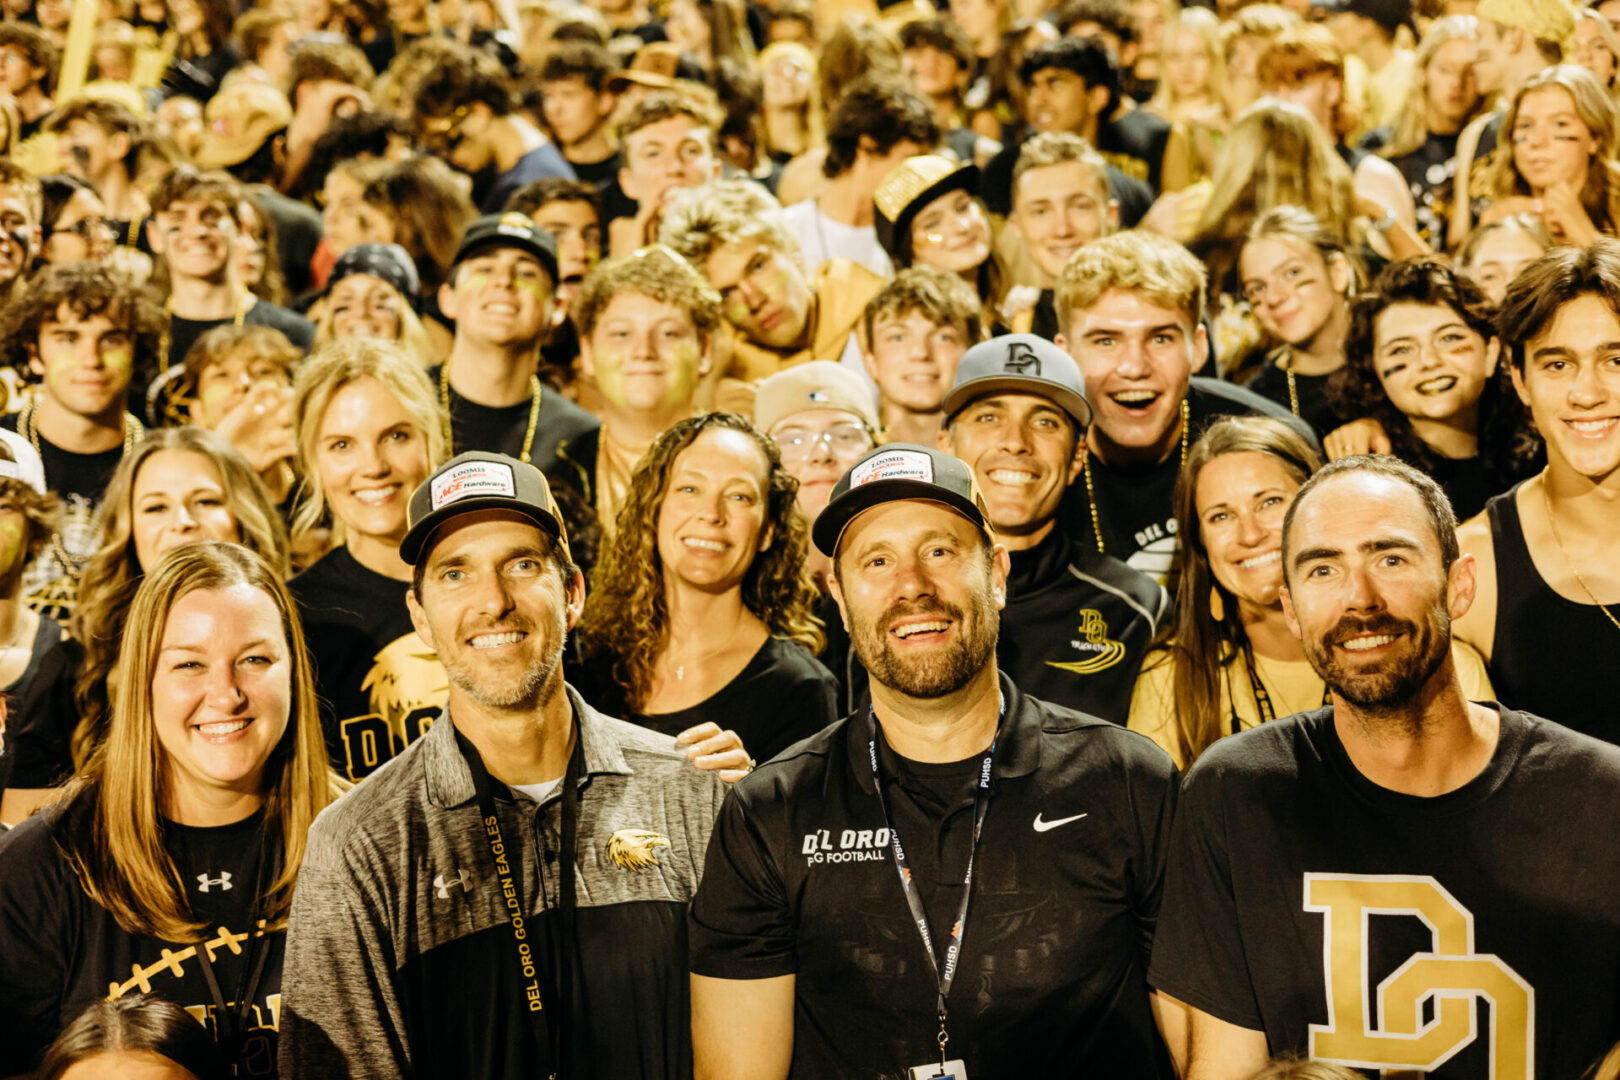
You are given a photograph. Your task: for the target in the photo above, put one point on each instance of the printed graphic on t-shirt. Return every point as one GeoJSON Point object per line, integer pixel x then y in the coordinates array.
{"type": "Point", "coordinates": [1155, 549]}
{"type": "Point", "coordinates": [408, 689]}
{"type": "Point", "coordinates": [1425, 1010]}
{"type": "Point", "coordinates": [1096, 650]}
{"type": "Point", "coordinates": [49, 585]}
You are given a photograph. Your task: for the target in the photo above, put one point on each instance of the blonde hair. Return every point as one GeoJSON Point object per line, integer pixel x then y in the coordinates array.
{"type": "Point", "coordinates": [412, 334]}
{"type": "Point", "coordinates": [701, 220]}
{"type": "Point", "coordinates": [1056, 148]}
{"type": "Point", "coordinates": [1140, 261]}
{"type": "Point", "coordinates": [1304, 229]}
{"type": "Point", "coordinates": [815, 113]}
{"type": "Point", "coordinates": [1207, 26]}
{"type": "Point", "coordinates": [1411, 128]}
{"type": "Point", "coordinates": [116, 843]}
{"type": "Point", "coordinates": [1600, 195]}
{"type": "Point", "coordinates": [657, 272]}
{"type": "Point", "coordinates": [331, 368]}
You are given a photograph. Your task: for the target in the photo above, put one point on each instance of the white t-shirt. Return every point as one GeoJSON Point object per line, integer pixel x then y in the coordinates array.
{"type": "Point", "coordinates": [537, 792]}
{"type": "Point", "coordinates": [821, 238]}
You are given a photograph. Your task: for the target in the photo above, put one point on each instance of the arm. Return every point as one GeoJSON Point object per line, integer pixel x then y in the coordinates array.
{"type": "Point", "coordinates": [1462, 214]}
{"type": "Point", "coordinates": [1380, 185]}
{"type": "Point", "coordinates": [1222, 1051]}
{"type": "Point", "coordinates": [707, 747]}
{"type": "Point", "coordinates": [1171, 1017]}
{"type": "Point", "coordinates": [19, 803]}
{"type": "Point", "coordinates": [742, 1029]}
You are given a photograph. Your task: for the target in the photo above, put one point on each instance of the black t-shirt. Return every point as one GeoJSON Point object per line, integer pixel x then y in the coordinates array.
{"type": "Point", "coordinates": [40, 715]}
{"type": "Point", "coordinates": [500, 428]}
{"type": "Point", "coordinates": [1135, 144]}
{"type": "Point", "coordinates": [1134, 195]}
{"type": "Point", "coordinates": [783, 695]}
{"type": "Point", "coordinates": [1431, 175]}
{"type": "Point", "coordinates": [63, 951]}
{"type": "Point", "coordinates": [183, 333]}
{"type": "Point", "coordinates": [1136, 503]}
{"type": "Point", "coordinates": [597, 173]}
{"type": "Point", "coordinates": [799, 880]}
{"type": "Point", "coordinates": [380, 687]}
{"type": "Point", "coordinates": [1492, 912]}
{"type": "Point", "coordinates": [298, 234]}
{"type": "Point", "coordinates": [1271, 383]}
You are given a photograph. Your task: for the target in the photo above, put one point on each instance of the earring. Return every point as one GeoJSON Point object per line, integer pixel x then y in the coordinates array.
{"type": "Point", "coordinates": [1217, 606]}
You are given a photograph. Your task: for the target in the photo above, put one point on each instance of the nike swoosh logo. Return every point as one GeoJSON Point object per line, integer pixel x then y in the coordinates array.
{"type": "Point", "coordinates": [1043, 826]}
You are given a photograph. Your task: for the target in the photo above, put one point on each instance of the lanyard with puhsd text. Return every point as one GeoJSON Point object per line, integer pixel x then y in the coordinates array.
{"type": "Point", "coordinates": [552, 1035]}
{"type": "Point", "coordinates": [919, 916]}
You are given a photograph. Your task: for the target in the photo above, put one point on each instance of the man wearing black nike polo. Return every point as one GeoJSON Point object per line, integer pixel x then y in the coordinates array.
{"type": "Point", "coordinates": [1011, 928]}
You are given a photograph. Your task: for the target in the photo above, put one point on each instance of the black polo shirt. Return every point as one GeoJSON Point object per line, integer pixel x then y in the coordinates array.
{"type": "Point", "coordinates": [799, 881]}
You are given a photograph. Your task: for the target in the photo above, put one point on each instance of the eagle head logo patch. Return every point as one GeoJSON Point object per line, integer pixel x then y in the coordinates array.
{"type": "Point", "coordinates": [632, 849]}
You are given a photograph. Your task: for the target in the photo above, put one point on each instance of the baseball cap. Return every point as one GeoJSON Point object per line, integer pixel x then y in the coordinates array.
{"type": "Point", "coordinates": [1546, 20]}
{"type": "Point", "coordinates": [478, 480]}
{"type": "Point", "coordinates": [510, 229]}
{"type": "Point", "coordinates": [910, 186]}
{"type": "Point", "coordinates": [1390, 14]}
{"type": "Point", "coordinates": [240, 118]}
{"type": "Point", "coordinates": [819, 384]}
{"type": "Point", "coordinates": [1025, 363]}
{"type": "Point", "coordinates": [390, 262]}
{"type": "Point", "coordinates": [657, 65]}
{"type": "Point", "coordinates": [899, 472]}
{"type": "Point", "coordinates": [24, 464]}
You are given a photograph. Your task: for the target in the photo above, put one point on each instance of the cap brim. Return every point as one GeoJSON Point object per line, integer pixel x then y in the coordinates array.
{"type": "Point", "coordinates": [1070, 402]}
{"type": "Point", "coordinates": [547, 258]}
{"type": "Point", "coordinates": [616, 83]}
{"type": "Point", "coordinates": [831, 522]}
{"type": "Point", "coordinates": [964, 179]}
{"type": "Point", "coordinates": [221, 154]}
{"type": "Point", "coordinates": [416, 540]}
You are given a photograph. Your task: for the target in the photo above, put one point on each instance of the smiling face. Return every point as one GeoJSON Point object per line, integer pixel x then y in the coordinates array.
{"type": "Point", "coordinates": [222, 385]}
{"type": "Point", "coordinates": [645, 353]}
{"type": "Point", "coordinates": [818, 446]}
{"type": "Point", "coordinates": [1367, 593]}
{"type": "Point", "coordinates": [370, 456]}
{"type": "Point", "coordinates": [933, 72]}
{"type": "Point", "coordinates": [363, 306]}
{"type": "Point", "coordinates": [1291, 289]}
{"type": "Point", "coordinates": [711, 523]}
{"type": "Point", "coordinates": [1059, 100]}
{"type": "Point", "coordinates": [913, 359]}
{"type": "Point", "coordinates": [196, 236]}
{"type": "Point", "coordinates": [1551, 144]}
{"type": "Point", "coordinates": [496, 610]}
{"type": "Point", "coordinates": [19, 234]}
{"type": "Point", "coordinates": [1497, 259]}
{"type": "Point", "coordinates": [572, 223]}
{"type": "Point", "coordinates": [763, 292]}
{"type": "Point", "coordinates": [921, 600]}
{"type": "Point", "coordinates": [1571, 383]}
{"type": "Point", "coordinates": [1058, 208]}
{"type": "Point", "coordinates": [500, 297]}
{"type": "Point", "coordinates": [178, 498]}
{"type": "Point", "coordinates": [1024, 453]}
{"type": "Point", "coordinates": [86, 363]}
{"type": "Point", "coordinates": [1431, 364]}
{"type": "Point", "coordinates": [1241, 499]}
{"type": "Point", "coordinates": [222, 692]}
{"type": "Point", "coordinates": [951, 233]}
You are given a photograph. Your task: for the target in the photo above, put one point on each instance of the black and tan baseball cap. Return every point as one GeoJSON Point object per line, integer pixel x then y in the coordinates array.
{"type": "Point", "coordinates": [510, 229]}
{"type": "Point", "coordinates": [480, 481]}
{"type": "Point", "coordinates": [1022, 364]}
{"type": "Point", "coordinates": [898, 472]}
{"type": "Point", "coordinates": [907, 189]}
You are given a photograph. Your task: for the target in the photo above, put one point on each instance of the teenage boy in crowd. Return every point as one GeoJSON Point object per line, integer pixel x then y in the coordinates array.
{"type": "Point", "coordinates": [1401, 878]}
{"type": "Point", "coordinates": [646, 330]}
{"type": "Point", "coordinates": [476, 904]}
{"type": "Point", "coordinates": [878, 124]}
{"type": "Point", "coordinates": [195, 229]}
{"type": "Point", "coordinates": [83, 331]}
{"type": "Point", "coordinates": [939, 59]}
{"type": "Point", "coordinates": [1077, 622]}
{"type": "Point", "coordinates": [464, 110]}
{"type": "Point", "coordinates": [733, 232]}
{"type": "Point", "coordinates": [568, 211]}
{"type": "Point", "coordinates": [28, 73]}
{"type": "Point", "coordinates": [819, 949]}
{"type": "Point", "coordinates": [916, 329]}
{"type": "Point", "coordinates": [1060, 203]}
{"type": "Point", "coordinates": [96, 139]}
{"type": "Point", "coordinates": [326, 80]}
{"type": "Point", "coordinates": [1131, 308]}
{"type": "Point", "coordinates": [499, 294]}
{"type": "Point", "coordinates": [1548, 583]}
{"type": "Point", "coordinates": [667, 142]}
{"type": "Point", "coordinates": [578, 109]}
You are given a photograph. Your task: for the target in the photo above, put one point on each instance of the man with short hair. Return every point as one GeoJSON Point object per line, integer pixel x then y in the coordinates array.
{"type": "Point", "coordinates": [325, 80]}
{"type": "Point", "coordinates": [878, 124]}
{"type": "Point", "coordinates": [84, 332]}
{"type": "Point", "coordinates": [1060, 202]}
{"type": "Point", "coordinates": [916, 329]}
{"type": "Point", "coordinates": [569, 211]}
{"type": "Point", "coordinates": [578, 108]}
{"type": "Point", "coordinates": [939, 59]}
{"type": "Point", "coordinates": [667, 142]}
{"type": "Point", "coordinates": [28, 64]}
{"type": "Point", "coordinates": [491, 901]}
{"type": "Point", "coordinates": [1008, 932]}
{"type": "Point", "coordinates": [1131, 309]}
{"type": "Point", "coordinates": [465, 111]}
{"type": "Point", "coordinates": [1401, 880]}
{"type": "Point", "coordinates": [1077, 622]}
{"type": "Point", "coordinates": [96, 139]}
{"type": "Point", "coordinates": [499, 294]}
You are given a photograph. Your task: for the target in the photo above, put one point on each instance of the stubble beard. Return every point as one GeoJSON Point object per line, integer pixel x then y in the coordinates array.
{"type": "Point", "coordinates": [1395, 690]}
{"type": "Point", "coordinates": [532, 689]}
{"type": "Point", "coordinates": [934, 676]}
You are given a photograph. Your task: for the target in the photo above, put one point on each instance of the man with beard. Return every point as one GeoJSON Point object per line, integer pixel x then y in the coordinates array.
{"type": "Point", "coordinates": [823, 947]}
{"type": "Point", "coordinates": [468, 910]}
{"type": "Point", "coordinates": [1401, 880]}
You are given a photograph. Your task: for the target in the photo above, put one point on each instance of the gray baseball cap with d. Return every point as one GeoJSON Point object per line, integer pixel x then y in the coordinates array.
{"type": "Point", "coordinates": [1023, 364]}
{"type": "Point", "coordinates": [479, 481]}
{"type": "Point", "coordinates": [899, 472]}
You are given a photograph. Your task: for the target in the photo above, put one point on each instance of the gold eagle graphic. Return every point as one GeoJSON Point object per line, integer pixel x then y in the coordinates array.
{"type": "Point", "coordinates": [632, 849]}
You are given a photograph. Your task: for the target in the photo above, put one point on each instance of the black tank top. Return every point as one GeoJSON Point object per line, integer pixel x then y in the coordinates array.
{"type": "Point", "coordinates": [1551, 656]}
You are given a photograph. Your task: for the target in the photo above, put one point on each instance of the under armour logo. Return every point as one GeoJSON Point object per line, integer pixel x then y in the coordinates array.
{"type": "Point", "coordinates": [1021, 359]}
{"type": "Point", "coordinates": [223, 881]}
{"type": "Point", "coordinates": [443, 884]}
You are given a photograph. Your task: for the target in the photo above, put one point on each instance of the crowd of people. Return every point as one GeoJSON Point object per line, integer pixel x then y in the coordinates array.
{"type": "Point", "coordinates": [511, 509]}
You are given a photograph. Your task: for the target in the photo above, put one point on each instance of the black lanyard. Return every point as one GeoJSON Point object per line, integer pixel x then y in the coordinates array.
{"type": "Point", "coordinates": [553, 1042]}
{"type": "Point", "coordinates": [1262, 697]}
{"type": "Point", "coordinates": [231, 1023]}
{"type": "Point", "coordinates": [919, 916]}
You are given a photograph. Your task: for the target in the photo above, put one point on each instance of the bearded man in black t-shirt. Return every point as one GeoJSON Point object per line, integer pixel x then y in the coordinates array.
{"type": "Point", "coordinates": [1403, 880]}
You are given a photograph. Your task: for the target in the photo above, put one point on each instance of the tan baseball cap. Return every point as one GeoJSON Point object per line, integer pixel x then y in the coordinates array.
{"type": "Point", "coordinates": [1545, 20]}
{"type": "Point", "coordinates": [240, 117]}
{"type": "Point", "coordinates": [819, 384]}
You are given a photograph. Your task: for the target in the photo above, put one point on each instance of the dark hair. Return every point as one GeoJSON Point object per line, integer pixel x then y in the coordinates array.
{"type": "Point", "coordinates": [591, 64]}
{"type": "Point", "coordinates": [1115, 16]}
{"type": "Point", "coordinates": [881, 109]}
{"type": "Point", "coordinates": [135, 1022]}
{"type": "Point", "coordinates": [112, 117]}
{"type": "Point", "coordinates": [58, 190]}
{"type": "Point", "coordinates": [941, 35]}
{"type": "Point", "coordinates": [1086, 57]}
{"type": "Point", "coordinates": [216, 16]}
{"type": "Point", "coordinates": [87, 288]}
{"type": "Point", "coordinates": [36, 47]}
{"type": "Point", "coordinates": [529, 198]}
{"type": "Point", "coordinates": [362, 134]}
{"type": "Point", "coordinates": [1508, 447]}
{"type": "Point", "coordinates": [1436, 507]}
{"type": "Point", "coordinates": [742, 97]}
{"type": "Point", "coordinates": [1560, 276]}
{"type": "Point", "coordinates": [319, 60]}
{"type": "Point", "coordinates": [186, 184]}
{"type": "Point", "coordinates": [463, 77]}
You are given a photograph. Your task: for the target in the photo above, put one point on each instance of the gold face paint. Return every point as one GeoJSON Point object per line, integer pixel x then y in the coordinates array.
{"type": "Point", "coordinates": [119, 359]}
{"type": "Point", "coordinates": [13, 530]}
{"type": "Point", "coordinates": [535, 287]}
{"type": "Point", "coordinates": [472, 280]}
{"type": "Point", "coordinates": [610, 376]}
{"type": "Point", "coordinates": [215, 398]}
{"type": "Point", "coordinates": [684, 376]}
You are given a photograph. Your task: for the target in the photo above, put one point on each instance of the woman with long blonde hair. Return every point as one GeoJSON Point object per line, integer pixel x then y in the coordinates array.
{"type": "Point", "coordinates": [177, 486]}
{"type": "Point", "coordinates": [369, 431]}
{"type": "Point", "coordinates": [795, 120]}
{"type": "Point", "coordinates": [168, 864]}
{"type": "Point", "coordinates": [1192, 72]}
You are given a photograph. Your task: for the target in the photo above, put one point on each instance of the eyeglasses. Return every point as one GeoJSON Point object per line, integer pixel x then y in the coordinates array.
{"type": "Point", "coordinates": [89, 228]}
{"type": "Point", "coordinates": [842, 440]}
{"type": "Point", "coordinates": [438, 136]}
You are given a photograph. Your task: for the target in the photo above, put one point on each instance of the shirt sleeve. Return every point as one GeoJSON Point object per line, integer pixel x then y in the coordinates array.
{"type": "Point", "coordinates": [1198, 954]}
{"type": "Point", "coordinates": [742, 925]}
{"type": "Point", "coordinates": [36, 934]}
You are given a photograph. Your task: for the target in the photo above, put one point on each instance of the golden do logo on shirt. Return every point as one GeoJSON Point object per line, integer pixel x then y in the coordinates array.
{"type": "Point", "coordinates": [408, 689]}
{"type": "Point", "coordinates": [1451, 976]}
